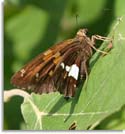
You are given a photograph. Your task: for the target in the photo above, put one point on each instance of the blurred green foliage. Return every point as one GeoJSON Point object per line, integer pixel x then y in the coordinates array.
{"type": "Point", "coordinates": [31, 26]}
{"type": "Point", "coordinates": [115, 121]}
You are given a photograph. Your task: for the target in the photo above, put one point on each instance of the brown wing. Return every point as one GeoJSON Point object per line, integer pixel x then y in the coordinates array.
{"type": "Point", "coordinates": [65, 83]}
{"type": "Point", "coordinates": [39, 71]}
{"type": "Point", "coordinates": [60, 80]}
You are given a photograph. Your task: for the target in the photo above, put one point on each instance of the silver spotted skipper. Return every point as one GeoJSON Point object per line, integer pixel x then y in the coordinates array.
{"type": "Point", "coordinates": [60, 67]}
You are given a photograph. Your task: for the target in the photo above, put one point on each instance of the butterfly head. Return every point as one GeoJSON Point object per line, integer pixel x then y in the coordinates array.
{"type": "Point", "coordinates": [82, 32]}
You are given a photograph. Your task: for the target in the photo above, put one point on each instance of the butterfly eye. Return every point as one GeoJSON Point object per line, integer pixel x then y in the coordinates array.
{"type": "Point", "coordinates": [85, 30]}
{"type": "Point", "coordinates": [82, 32]}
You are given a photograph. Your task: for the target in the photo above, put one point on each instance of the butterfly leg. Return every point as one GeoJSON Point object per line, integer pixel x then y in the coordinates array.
{"type": "Point", "coordinates": [98, 37]}
{"type": "Point", "coordinates": [84, 70]}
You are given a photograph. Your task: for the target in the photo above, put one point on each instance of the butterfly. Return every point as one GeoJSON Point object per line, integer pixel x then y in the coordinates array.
{"type": "Point", "coordinates": [60, 68]}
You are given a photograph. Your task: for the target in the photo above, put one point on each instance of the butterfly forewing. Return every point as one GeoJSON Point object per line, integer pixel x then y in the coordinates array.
{"type": "Point", "coordinates": [57, 69]}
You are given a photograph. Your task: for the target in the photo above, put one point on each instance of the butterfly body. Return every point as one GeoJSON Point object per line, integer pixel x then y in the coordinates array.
{"type": "Point", "coordinates": [57, 69]}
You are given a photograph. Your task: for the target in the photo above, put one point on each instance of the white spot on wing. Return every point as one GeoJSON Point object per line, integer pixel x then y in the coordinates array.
{"type": "Point", "coordinates": [29, 87]}
{"type": "Point", "coordinates": [37, 75]}
{"type": "Point", "coordinates": [22, 72]}
{"type": "Point", "coordinates": [74, 71]}
{"type": "Point", "coordinates": [68, 68]}
{"type": "Point", "coordinates": [62, 65]}
{"type": "Point", "coordinates": [74, 86]}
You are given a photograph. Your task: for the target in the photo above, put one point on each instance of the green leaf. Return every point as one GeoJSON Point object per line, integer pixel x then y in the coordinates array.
{"type": "Point", "coordinates": [115, 121]}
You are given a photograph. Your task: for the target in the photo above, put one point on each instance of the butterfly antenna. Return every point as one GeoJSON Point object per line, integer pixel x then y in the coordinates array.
{"type": "Point", "coordinates": [77, 20]}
